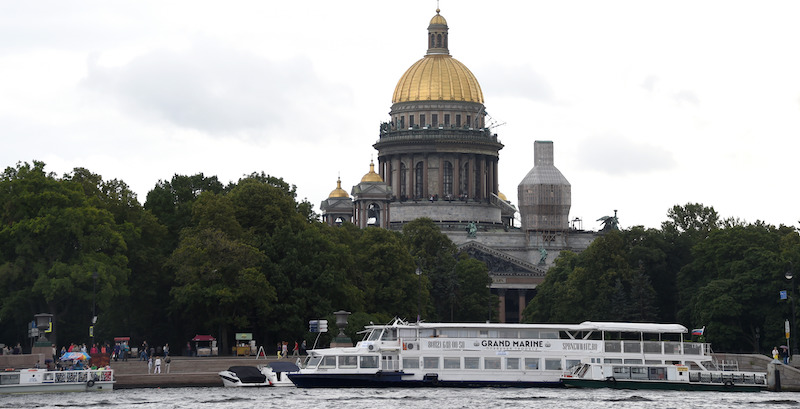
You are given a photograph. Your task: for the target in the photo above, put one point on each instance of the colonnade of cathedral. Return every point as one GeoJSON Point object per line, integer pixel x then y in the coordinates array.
{"type": "Point", "coordinates": [442, 176]}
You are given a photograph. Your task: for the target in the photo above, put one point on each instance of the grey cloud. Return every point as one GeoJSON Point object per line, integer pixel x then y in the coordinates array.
{"type": "Point", "coordinates": [686, 96]}
{"type": "Point", "coordinates": [517, 81]}
{"type": "Point", "coordinates": [219, 89]}
{"type": "Point", "coordinates": [617, 155]}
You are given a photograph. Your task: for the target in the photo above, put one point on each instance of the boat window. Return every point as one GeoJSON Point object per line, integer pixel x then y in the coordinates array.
{"type": "Point", "coordinates": [426, 333]}
{"type": "Point", "coordinates": [430, 362]}
{"type": "Point", "coordinates": [452, 362]}
{"type": "Point", "coordinates": [472, 362]}
{"type": "Point", "coordinates": [348, 361]}
{"type": "Point", "coordinates": [491, 363]}
{"type": "Point", "coordinates": [9, 379]}
{"type": "Point", "coordinates": [407, 333]}
{"type": "Point", "coordinates": [658, 373]}
{"type": "Point", "coordinates": [529, 333]}
{"type": "Point", "coordinates": [633, 361]}
{"type": "Point", "coordinates": [638, 372]}
{"type": "Point", "coordinates": [652, 347]}
{"type": "Point", "coordinates": [693, 348]}
{"type": "Point", "coordinates": [531, 363]}
{"type": "Point", "coordinates": [632, 346]}
{"type": "Point", "coordinates": [458, 333]}
{"type": "Point", "coordinates": [551, 364]}
{"type": "Point", "coordinates": [548, 334]}
{"type": "Point", "coordinates": [512, 363]}
{"type": "Point", "coordinates": [612, 361]}
{"type": "Point", "coordinates": [506, 333]}
{"type": "Point", "coordinates": [411, 363]}
{"type": "Point", "coordinates": [374, 335]}
{"type": "Point", "coordinates": [483, 333]}
{"type": "Point", "coordinates": [613, 346]}
{"type": "Point", "coordinates": [572, 363]}
{"type": "Point", "coordinates": [328, 362]}
{"type": "Point", "coordinates": [672, 347]}
{"type": "Point", "coordinates": [313, 362]}
{"type": "Point", "coordinates": [653, 362]}
{"type": "Point", "coordinates": [622, 372]}
{"type": "Point", "coordinates": [369, 361]}
{"type": "Point", "coordinates": [449, 333]}
{"type": "Point", "coordinates": [390, 334]}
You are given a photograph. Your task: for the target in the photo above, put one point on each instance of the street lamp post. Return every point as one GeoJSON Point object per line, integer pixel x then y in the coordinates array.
{"type": "Point", "coordinates": [94, 307]}
{"type": "Point", "coordinates": [790, 276]}
{"type": "Point", "coordinates": [419, 294]}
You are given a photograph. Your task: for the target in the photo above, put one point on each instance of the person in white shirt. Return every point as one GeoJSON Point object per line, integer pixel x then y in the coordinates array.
{"type": "Point", "coordinates": [158, 365]}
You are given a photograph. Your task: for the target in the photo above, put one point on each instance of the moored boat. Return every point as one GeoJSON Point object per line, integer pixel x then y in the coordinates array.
{"type": "Point", "coordinates": [660, 376]}
{"type": "Point", "coordinates": [486, 354]}
{"type": "Point", "coordinates": [42, 380]}
{"type": "Point", "coordinates": [272, 374]}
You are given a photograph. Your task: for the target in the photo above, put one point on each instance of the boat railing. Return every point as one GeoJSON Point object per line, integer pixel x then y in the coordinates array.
{"type": "Point", "coordinates": [658, 347]}
{"type": "Point", "coordinates": [13, 378]}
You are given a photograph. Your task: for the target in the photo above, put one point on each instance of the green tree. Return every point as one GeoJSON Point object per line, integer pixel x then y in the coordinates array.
{"type": "Point", "coordinates": [53, 242]}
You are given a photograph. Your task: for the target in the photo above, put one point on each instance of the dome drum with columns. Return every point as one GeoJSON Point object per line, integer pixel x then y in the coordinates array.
{"type": "Point", "coordinates": [436, 154]}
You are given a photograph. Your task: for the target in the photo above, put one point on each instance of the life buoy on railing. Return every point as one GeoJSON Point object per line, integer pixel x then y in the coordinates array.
{"type": "Point", "coordinates": [611, 379]}
{"type": "Point", "coordinates": [729, 384]}
{"type": "Point", "coordinates": [90, 383]}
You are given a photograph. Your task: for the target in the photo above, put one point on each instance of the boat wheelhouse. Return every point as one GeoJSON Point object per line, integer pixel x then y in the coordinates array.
{"type": "Point", "coordinates": [486, 354]}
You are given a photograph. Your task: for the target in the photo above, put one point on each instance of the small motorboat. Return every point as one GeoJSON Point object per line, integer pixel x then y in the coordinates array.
{"type": "Point", "coordinates": [272, 374]}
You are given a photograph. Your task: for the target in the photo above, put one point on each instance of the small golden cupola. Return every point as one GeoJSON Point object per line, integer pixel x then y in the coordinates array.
{"type": "Point", "coordinates": [372, 176]}
{"type": "Point", "coordinates": [338, 192]}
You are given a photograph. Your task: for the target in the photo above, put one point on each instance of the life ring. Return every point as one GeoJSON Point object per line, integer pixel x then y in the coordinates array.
{"type": "Point", "coordinates": [729, 384]}
{"type": "Point", "coordinates": [611, 379]}
{"type": "Point", "coordinates": [90, 383]}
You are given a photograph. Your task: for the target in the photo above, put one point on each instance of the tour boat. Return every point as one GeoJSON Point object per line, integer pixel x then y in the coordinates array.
{"type": "Point", "coordinates": [661, 376]}
{"type": "Point", "coordinates": [42, 380]}
{"type": "Point", "coordinates": [272, 374]}
{"type": "Point", "coordinates": [488, 354]}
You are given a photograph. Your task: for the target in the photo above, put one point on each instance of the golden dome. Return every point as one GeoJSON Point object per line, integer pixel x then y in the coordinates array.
{"type": "Point", "coordinates": [372, 176]}
{"type": "Point", "coordinates": [438, 19]}
{"type": "Point", "coordinates": [502, 196]}
{"type": "Point", "coordinates": [438, 77]}
{"type": "Point", "coordinates": [338, 192]}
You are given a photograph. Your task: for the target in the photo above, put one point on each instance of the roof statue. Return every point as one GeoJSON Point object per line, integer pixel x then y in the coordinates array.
{"type": "Point", "coordinates": [609, 222]}
{"type": "Point", "coordinates": [472, 230]}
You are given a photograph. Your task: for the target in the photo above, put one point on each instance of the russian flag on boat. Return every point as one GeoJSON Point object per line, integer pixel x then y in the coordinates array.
{"type": "Point", "coordinates": [699, 331]}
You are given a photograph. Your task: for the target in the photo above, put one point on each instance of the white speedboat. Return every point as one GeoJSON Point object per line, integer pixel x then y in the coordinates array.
{"type": "Point", "coordinates": [660, 376]}
{"type": "Point", "coordinates": [42, 380]}
{"type": "Point", "coordinates": [486, 354]}
{"type": "Point", "coordinates": [272, 374]}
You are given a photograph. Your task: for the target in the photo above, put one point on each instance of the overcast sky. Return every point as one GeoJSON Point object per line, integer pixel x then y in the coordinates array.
{"type": "Point", "coordinates": [649, 103]}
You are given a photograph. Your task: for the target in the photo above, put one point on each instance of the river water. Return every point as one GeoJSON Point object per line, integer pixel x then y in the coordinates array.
{"type": "Point", "coordinates": [423, 398]}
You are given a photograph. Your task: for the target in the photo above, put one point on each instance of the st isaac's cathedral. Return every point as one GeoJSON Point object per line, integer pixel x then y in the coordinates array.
{"type": "Point", "coordinates": [437, 158]}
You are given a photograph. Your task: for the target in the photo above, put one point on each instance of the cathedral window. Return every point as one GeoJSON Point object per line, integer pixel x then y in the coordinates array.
{"type": "Point", "coordinates": [458, 120]}
{"type": "Point", "coordinates": [418, 180]}
{"type": "Point", "coordinates": [477, 182]}
{"type": "Point", "coordinates": [446, 119]}
{"type": "Point", "coordinates": [445, 40]}
{"type": "Point", "coordinates": [403, 180]}
{"type": "Point", "coordinates": [435, 120]}
{"type": "Point", "coordinates": [430, 42]}
{"type": "Point", "coordinates": [373, 215]}
{"type": "Point", "coordinates": [462, 177]}
{"type": "Point", "coordinates": [402, 122]}
{"type": "Point", "coordinates": [469, 121]}
{"type": "Point", "coordinates": [411, 121]}
{"type": "Point", "coordinates": [438, 40]}
{"type": "Point", "coordinates": [448, 180]}
{"type": "Point", "coordinates": [422, 119]}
